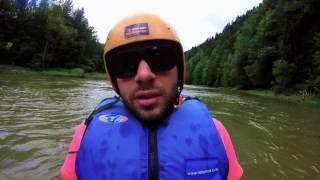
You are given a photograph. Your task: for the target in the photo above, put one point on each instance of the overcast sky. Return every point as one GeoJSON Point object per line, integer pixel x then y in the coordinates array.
{"type": "Point", "coordinates": [194, 20]}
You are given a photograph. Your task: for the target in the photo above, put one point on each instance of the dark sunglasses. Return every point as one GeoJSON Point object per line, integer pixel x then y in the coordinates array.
{"type": "Point", "coordinates": [161, 56]}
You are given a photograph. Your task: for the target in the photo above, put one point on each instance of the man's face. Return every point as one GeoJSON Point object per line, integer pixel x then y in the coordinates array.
{"type": "Point", "coordinates": [150, 96]}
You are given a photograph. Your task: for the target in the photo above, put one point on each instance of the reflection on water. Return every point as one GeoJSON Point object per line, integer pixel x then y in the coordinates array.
{"type": "Point", "coordinates": [273, 139]}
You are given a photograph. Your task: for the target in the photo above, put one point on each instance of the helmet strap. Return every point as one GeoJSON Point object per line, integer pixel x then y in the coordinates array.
{"type": "Point", "coordinates": [178, 95]}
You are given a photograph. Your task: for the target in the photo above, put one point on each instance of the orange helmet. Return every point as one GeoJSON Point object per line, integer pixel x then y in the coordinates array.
{"type": "Point", "coordinates": [150, 27]}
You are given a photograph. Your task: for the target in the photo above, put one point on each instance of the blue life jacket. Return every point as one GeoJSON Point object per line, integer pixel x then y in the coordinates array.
{"type": "Point", "coordinates": [117, 146]}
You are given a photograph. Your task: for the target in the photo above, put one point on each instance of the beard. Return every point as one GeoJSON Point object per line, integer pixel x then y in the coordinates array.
{"type": "Point", "coordinates": [146, 115]}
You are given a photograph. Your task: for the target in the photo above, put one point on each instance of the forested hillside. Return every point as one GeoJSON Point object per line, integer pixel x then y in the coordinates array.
{"type": "Point", "coordinates": [45, 34]}
{"type": "Point", "coordinates": [273, 46]}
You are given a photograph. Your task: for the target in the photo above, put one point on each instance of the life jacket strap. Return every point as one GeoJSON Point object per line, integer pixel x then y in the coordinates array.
{"type": "Point", "coordinates": [101, 108]}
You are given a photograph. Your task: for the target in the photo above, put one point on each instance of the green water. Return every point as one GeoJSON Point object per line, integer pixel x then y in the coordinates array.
{"type": "Point", "coordinates": [273, 139]}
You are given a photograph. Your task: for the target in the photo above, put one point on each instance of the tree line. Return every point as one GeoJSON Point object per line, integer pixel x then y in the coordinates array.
{"type": "Point", "coordinates": [47, 34]}
{"type": "Point", "coordinates": [275, 45]}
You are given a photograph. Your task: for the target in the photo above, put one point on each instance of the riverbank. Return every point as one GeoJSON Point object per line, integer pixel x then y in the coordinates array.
{"type": "Point", "coordinates": [300, 97]}
{"type": "Point", "coordinates": [74, 72]}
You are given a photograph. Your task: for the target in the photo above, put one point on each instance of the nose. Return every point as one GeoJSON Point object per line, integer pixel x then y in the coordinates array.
{"type": "Point", "coordinates": [144, 72]}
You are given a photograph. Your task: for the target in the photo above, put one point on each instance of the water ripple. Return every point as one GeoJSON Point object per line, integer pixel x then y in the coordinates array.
{"type": "Point", "coordinates": [259, 126]}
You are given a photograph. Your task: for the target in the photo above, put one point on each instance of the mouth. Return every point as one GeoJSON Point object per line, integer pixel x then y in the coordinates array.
{"type": "Point", "coordinates": [147, 98]}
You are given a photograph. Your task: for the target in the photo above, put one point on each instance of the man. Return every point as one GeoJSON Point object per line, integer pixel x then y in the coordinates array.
{"type": "Point", "coordinates": [151, 131]}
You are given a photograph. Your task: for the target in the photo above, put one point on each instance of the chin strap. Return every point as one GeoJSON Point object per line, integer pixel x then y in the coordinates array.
{"type": "Point", "coordinates": [178, 98]}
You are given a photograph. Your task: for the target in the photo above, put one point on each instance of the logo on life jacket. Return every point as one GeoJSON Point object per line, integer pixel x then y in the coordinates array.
{"type": "Point", "coordinates": [113, 118]}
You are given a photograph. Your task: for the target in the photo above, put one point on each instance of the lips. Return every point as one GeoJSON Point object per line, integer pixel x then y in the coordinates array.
{"type": "Point", "coordinates": [147, 98]}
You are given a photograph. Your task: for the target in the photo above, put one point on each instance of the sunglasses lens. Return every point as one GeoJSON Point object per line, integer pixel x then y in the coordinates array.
{"type": "Point", "coordinates": [161, 57]}
{"type": "Point", "coordinates": [124, 64]}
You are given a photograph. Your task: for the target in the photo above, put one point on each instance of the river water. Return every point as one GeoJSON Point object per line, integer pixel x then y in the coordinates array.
{"type": "Point", "coordinates": [273, 139]}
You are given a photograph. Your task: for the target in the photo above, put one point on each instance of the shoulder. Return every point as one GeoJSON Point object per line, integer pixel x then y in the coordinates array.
{"type": "Point", "coordinates": [67, 170]}
{"type": "Point", "coordinates": [183, 98]}
{"type": "Point", "coordinates": [107, 102]}
{"type": "Point", "coordinates": [235, 170]}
